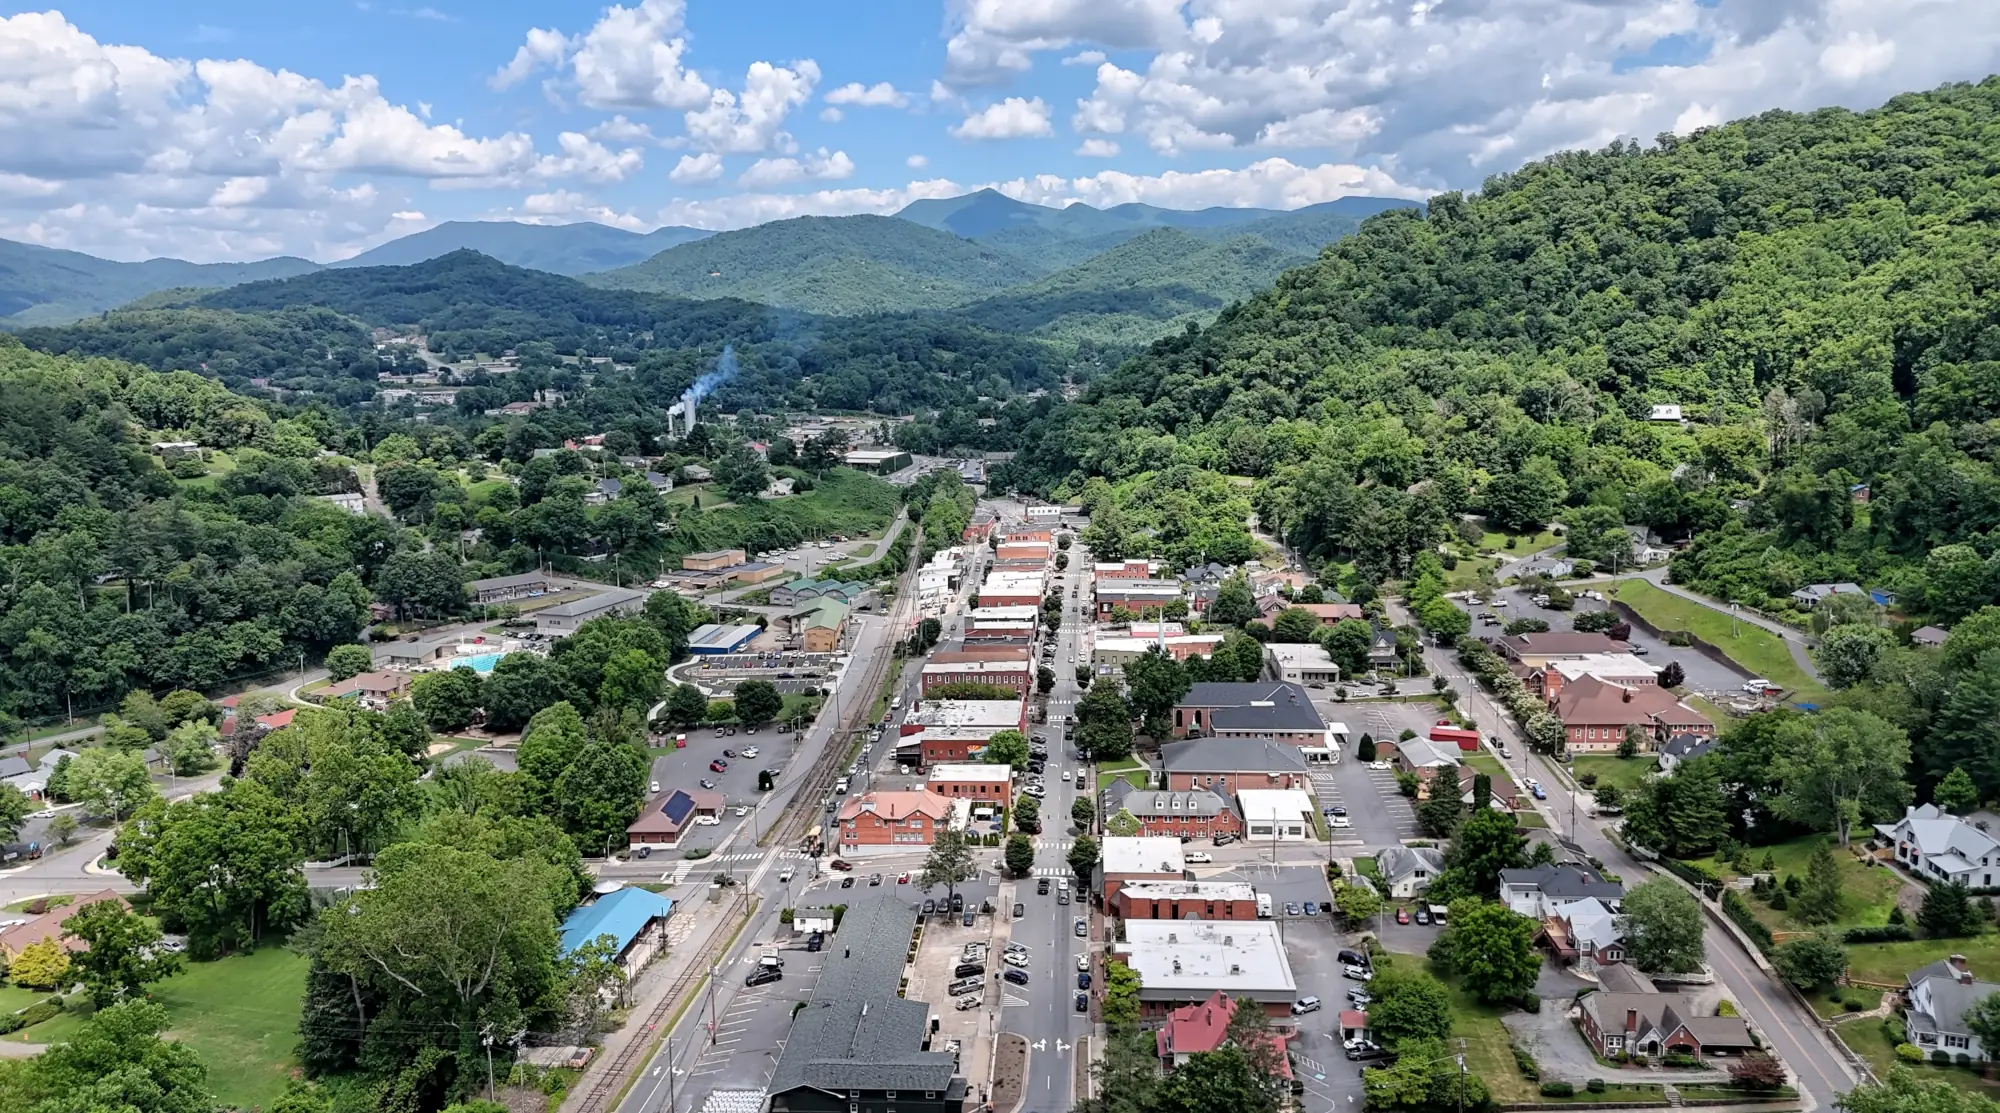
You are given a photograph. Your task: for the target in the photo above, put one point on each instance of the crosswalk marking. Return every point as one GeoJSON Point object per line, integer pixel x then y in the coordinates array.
{"type": "Point", "coordinates": [1054, 844]}
{"type": "Point", "coordinates": [1053, 871]}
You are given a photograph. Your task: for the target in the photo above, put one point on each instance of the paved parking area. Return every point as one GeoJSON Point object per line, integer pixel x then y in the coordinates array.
{"type": "Point", "coordinates": [1313, 946]}
{"type": "Point", "coordinates": [687, 768]}
{"type": "Point", "coordinates": [1380, 815]}
{"type": "Point", "coordinates": [749, 1034]}
{"type": "Point", "coordinates": [1703, 673]}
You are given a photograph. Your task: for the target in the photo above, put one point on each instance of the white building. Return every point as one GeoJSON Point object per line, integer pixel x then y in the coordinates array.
{"type": "Point", "coordinates": [1181, 962]}
{"type": "Point", "coordinates": [350, 501]}
{"type": "Point", "coordinates": [1144, 854]}
{"type": "Point", "coordinates": [1622, 669]}
{"type": "Point", "coordinates": [1302, 663]}
{"type": "Point", "coordinates": [1938, 846]}
{"type": "Point", "coordinates": [1275, 814]}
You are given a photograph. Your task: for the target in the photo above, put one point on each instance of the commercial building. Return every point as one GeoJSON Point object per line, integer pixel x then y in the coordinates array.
{"type": "Point", "coordinates": [1011, 589]}
{"type": "Point", "coordinates": [1228, 765]}
{"type": "Point", "coordinates": [896, 818]}
{"type": "Point", "coordinates": [1116, 653]}
{"type": "Point", "coordinates": [756, 572]}
{"type": "Point", "coordinates": [499, 589]}
{"type": "Point", "coordinates": [1010, 624]}
{"type": "Point", "coordinates": [1105, 570]}
{"type": "Point", "coordinates": [1536, 650]}
{"type": "Point", "coordinates": [564, 618]}
{"type": "Point", "coordinates": [635, 919]}
{"type": "Point", "coordinates": [943, 731]}
{"type": "Point", "coordinates": [370, 689]}
{"type": "Point", "coordinates": [1186, 900]}
{"type": "Point", "coordinates": [1196, 814]}
{"type": "Point", "coordinates": [806, 589]}
{"type": "Point", "coordinates": [1201, 1028]}
{"type": "Point", "coordinates": [971, 780]}
{"type": "Point", "coordinates": [1302, 663]}
{"type": "Point", "coordinates": [882, 461]}
{"type": "Point", "coordinates": [1273, 711]}
{"type": "Point", "coordinates": [663, 820]}
{"type": "Point", "coordinates": [999, 666]}
{"type": "Point", "coordinates": [1123, 859]}
{"type": "Point", "coordinates": [1276, 814]}
{"type": "Point", "coordinates": [1623, 669]}
{"type": "Point", "coordinates": [712, 561]}
{"type": "Point", "coordinates": [819, 624]}
{"type": "Point", "coordinates": [1135, 596]}
{"type": "Point", "coordinates": [1596, 715]}
{"type": "Point", "coordinates": [858, 1046]}
{"type": "Point", "coordinates": [1022, 554]}
{"type": "Point", "coordinates": [710, 639]}
{"type": "Point", "coordinates": [1184, 962]}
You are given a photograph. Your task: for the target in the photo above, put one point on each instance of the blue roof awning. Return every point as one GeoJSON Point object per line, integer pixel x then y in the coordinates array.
{"type": "Point", "coordinates": [621, 915]}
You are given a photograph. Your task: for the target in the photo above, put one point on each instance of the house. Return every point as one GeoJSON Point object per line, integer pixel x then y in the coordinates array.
{"type": "Point", "coordinates": [897, 818]}
{"type": "Point", "coordinates": [1194, 1029]}
{"type": "Point", "coordinates": [807, 920]}
{"type": "Point", "coordinates": [1812, 595]}
{"type": "Point", "coordinates": [1185, 962]}
{"type": "Point", "coordinates": [695, 473]}
{"type": "Point", "coordinates": [1938, 846]}
{"type": "Point", "coordinates": [564, 618]}
{"type": "Point", "coordinates": [49, 925]}
{"type": "Point", "coordinates": [1424, 757]}
{"type": "Point", "coordinates": [1930, 636]}
{"type": "Point", "coordinates": [1407, 871]}
{"type": "Point", "coordinates": [1683, 748]}
{"type": "Point", "coordinates": [1937, 997]}
{"type": "Point", "coordinates": [1124, 859]}
{"type": "Point", "coordinates": [1229, 765]}
{"type": "Point", "coordinates": [857, 1045]}
{"type": "Point", "coordinates": [32, 783]}
{"type": "Point", "coordinates": [1185, 900]}
{"type": "Point", "coordinates": [350, 501]}
{"type": "Point", "coordinates": [658, 482]}
{"type": "Point", "coordinates": [978, 781]}
{"type": "Point", "coordinates": [635, 919]}
{"type": "Point", "coordinates": [1554, 567]}
{"type": "Point", "coordinates": [1596, 715]}
{"type": "Point", "coordinates": [1276, 814]}
{"type": "Point", "coordinates": [1545, 891]}
{"type": "Point", "coordinates": [1655, 1024]}
{"type": "Point", "coordinates": [499, 589]}
{"type": "Point", "coordinates": [1198, 814]}
{"type": "Point", "coordinates": [1665, 412]}
{"type": "Point", "coordinates": [603, 491]}
{"type": "Point", "coordinates": [14, 765]}
{"type": "Point", "coordinates": [663, 821]}
{"type": "Point", "coordinates": [1585, 937]}
{"type": "Point", "coordinates": [370, 689]}
{"type": "Point", "coordinates": [1260, 711]}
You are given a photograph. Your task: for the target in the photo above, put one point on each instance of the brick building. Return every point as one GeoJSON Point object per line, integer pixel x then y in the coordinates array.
{"type": "Point", "coordinates": [1595, 715]}
{"type": "Point", "coordinates": [1000, 666]}
{"type": "Point", "coordinates": [1197, 814]}
{"type": "Point", "coordinates": [971, 780]}
{"type": "Point", "coordinates": [894, 818]}
{"type": "Point", "coordinates": [1228, 766]}
{"type": "Point", "coordinates": [1186, 900]}
{"type": "Point", "coordinates": [1126, 859]}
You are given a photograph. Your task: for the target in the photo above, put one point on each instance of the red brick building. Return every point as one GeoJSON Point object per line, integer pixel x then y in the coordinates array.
{"type": "Point", "coordinates": [1186, 900]}
{"type": "Point", "coordinates": [971, 781]}
{"type": "Point", "coordinates": [1193, 815]}
{"type": "Point", "coordinates": [1595, 715]}
{"type": "Point", "coordinates": [1001, 666]}
{"type": "Point", "coordinates": [893, 819]}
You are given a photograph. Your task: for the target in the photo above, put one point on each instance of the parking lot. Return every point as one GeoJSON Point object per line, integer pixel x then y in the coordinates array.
{"type": "Point", "coordinates": [687, 768]}
{"type": "Point", "coordinates": [1703, 673]}
{"type": "Point", "coordinates": [1379, 815]}
{"type": "Point", "coordinates": [749, 1032]}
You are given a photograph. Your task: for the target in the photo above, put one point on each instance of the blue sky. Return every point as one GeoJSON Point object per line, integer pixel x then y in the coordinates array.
{"type": "Point", "coordinates": [223, 129]}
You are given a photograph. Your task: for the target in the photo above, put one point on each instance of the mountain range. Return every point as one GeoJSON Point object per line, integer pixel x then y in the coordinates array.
{"type": "Point", "coordinates": [985, 249]}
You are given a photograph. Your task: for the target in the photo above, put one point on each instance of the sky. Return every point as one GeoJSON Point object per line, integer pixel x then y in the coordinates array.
{"type": "Point", "coordinates": [217, 130]}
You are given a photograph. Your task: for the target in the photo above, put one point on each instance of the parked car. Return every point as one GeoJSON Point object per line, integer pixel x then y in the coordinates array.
{"type": "Point", "coordinates": [1338, 821]}
{"type": "Point", "coordinates": [1223, 838]}
{"type": "Point", "coordinates": [1020, 910]}
{"type": "Point", "coordinates": [1356, 973]}
{"type": "Point", "coordinates": [930, 906]}
{"type": "Point", "coordinates": [968, 919]}
{"type": "Point", "coordinates": [847, 882]}
{"type": "Point", "coordinates": [1016, 975]}
{"type": "Point", "coordinates": [718, 765]}
{"type": "Point", "coordinates": [1312, 908]}
{"type": "Point", "coordinates": [874, 879]}
{"type": "Point", "coordinates": [1083, 979]}
{"type": "Point", "coordinates": [1198, 857]}
{"type": "Point", "coordinates": [707, 783]}
{"type": "Point", "coordinates": [1423, 916]}
{"type": "Point", "coordinates": [1014, 958]}
{"type": "Point", "coordinates": [966, 1003]}
{"type": "Point", "coordinates": [653, 787]}
{"type": "Point", "coordinates": [1083, 1002]}
{"type": "Point", "coordinates": [750, 751]}
{"type": "Point", "coordinates": [1082, 927]}
{"type": "Point", "coordinates": [1083, 961]}
{"type": "Point", "coordinates": [729, 753]}
{"type": "Point", "coordinates": [763, 975]}
{"type": "Point", "coordinates": [1402, 915]}
{"type": "Point", "coordinates": [1292, 908]}
{"type": "Point", "coordinates": [815, 941]}
{"type": "Point", "coordinates": [1360, 998]}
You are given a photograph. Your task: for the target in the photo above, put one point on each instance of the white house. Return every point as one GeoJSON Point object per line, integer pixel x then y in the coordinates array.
{"type": "Point", "coordinates": [1938, 996]}
{"type": "Point", "coordinates": [1551, 890]}
{"type": "Point", "coordinates": [1938, 846]}
{"type": "Point", "coordinates": [1407, 871]}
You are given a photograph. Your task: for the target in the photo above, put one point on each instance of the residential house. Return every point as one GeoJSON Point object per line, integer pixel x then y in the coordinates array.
{"type": "Point", "coordinates": [32, 782]}
{"type": "Point", "coordinates": [369, 689]}
{"type": "Point", "coordinates": [1229, 765]}
{"type": "Point", "coordinates": [1193, 1029]}
{"type": "Point", "coordinates": [1423, 757]}
{"type": "Point", "coordinates": [1199, 814]}
{"type": "Point", "coordinates": [1408, 871]}
{"type": "Point", "coordinates": [1683, 748]}
{"type": "Point", "coordinates": [635, 919]}
{"type": "Point", "coordinates": [1554, 567]}
{"type": "Point", "coordinates": [18, 937]}
{"type": "Point", "coordinates": [1585, 937]}
{"type": "Point", "coordinates": [1186, 900]}
{"type": "Point", "coordinates": [1544, 891]}
{"type": "Point", "coordinates": [1656, 1024]}
{"type": "Point", "coordinates": [1665, 412]}
{"type": "Point", "coordinates": [1812, 595]}
{"type": "Point", "coordinates": [896, 818]}
{"type": "Point", "coordinates": [1936, 999]}
{"type": "Point", "coordinates": [350, 501]}
{"type": "Point", "coordinates": [1596, 715]}
{"type": "Point", "coordinates": [811, 918]}
{"type": "Point", "coordinates": [603, 491]}
{"type": "Point", "coordinates": [1930, 636]}
{"type": "Point", "coordinates": [695, 473]}
{"type": "Point", "coordinates": [1938, 846]}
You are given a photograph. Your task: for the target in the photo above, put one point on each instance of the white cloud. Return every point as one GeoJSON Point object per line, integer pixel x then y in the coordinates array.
{"type": "Point", "coordinates": [1013, 118]}
{"type": "Point", "coordinates": [831, 114]}
{"type": "Point", "coordinates": [618, 129]}
{"type": "Point", "coordinates": [1271, 183]}
{"type": "Point", "coordinates": [1085, 58]}
{"type": "Point", "coordinates": [630, 58]}
{"type": "Point", "coordinates": [584, 157]}
{"type": "Point", "coordinates": [744, 209]}
{"type": "Point", "coordinates": [819, 166]}
{"type": "Point", "coordinates": [755, 120]}
{"type": "Point", "coordinates": [917, 162]}
{"type": "Point", "coordinates": [1856, 56]}
{"type": "Point", "coordinates": [704, 167]}
{"type": "Point", "coordinates": [993, 40]}
{"type": "Point", "coordinates": [879, 95]}
{"type": "Point", "coordinates": [569, 207]}
{"type": "Point", "coordinates": [1098, 148]}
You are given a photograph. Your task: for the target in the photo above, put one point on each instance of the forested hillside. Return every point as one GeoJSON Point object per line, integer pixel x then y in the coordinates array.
{"type": "Point", "coordinates": [557, 248]}
{"type": "Point", "coordinates": [41, 285]}
{"type": "Point", "coordinates": [1814, 290]}
{"type": "Point", "coordinates": [853, 264]}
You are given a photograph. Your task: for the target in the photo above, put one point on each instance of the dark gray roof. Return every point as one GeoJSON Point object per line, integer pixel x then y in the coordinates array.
{"type": "Point", "coordinates": [1689, 746]}
{"type": "Point", "coordinates": [504, 582]}
{"type": "Point", "coordinates": [609, 486]}
{"type": "Point", "coordinates": [1154, 802]}
{"type": "Point", "coordinates": [14, 766]}
{"type": "Point", "coordinates": [1264, 706]}
{"type": "Point", "coordinates": [855, 1033]}
{"type": "Point", "coordinates": [1565, 882]}
{"type": "Point", "coordinates": [1230, 755]}
{"type": "Point", "coordinates": [1115, 794]}
{"type": "Point", "coordinates": [1398, 862]}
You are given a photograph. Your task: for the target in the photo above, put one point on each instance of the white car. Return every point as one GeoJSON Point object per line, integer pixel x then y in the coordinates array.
{"type": "Point", "coordinates": [1036, 791]}
{"type": "Point", "coordinates": [707, 820]}
{"type": "Point", "coordinates": [1198, 858]}
{"type": "Point", "coordinates": [750, 751]}
{"type": "Point", "coordinates": [1379, 763]}
{"type": "Point", "coordinates": [655, 787]}
{"type": "Point", "coordinates": [742, 810]}
{"type": "Point", "coordinates": [1499, 602]}
{"type": "Point", "coordinates": [1013, 958]}
{"type": "Point", "coordinates": [1337, 821]}
{"type": "Point", "coordinates": [1356, 973]}
{"type": "Point", "coordinates": [1083, 961]}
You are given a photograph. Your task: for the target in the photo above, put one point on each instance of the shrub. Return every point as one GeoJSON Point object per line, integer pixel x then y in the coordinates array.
{"type": "Point", "coordinates": [1595, 1085]}
{"type": "Point", "coordinates": [1639, 1060]}
{"type": "Point", "coordinates": [1962, 1059]}
{"type": "Point", "coordinates": [1879, 933]}
{"type": "Point", "coordinates": [1678, 1059]}
{"type": "Point", "coordinates": [1526, 1064]}
{"type": "Point", "coordinates": [34, 1014]}
{"type": "Point", "coordinates": [1587, 780]}
{"type": "Point", "coordinates": [1853, 1005]}
{"type": "Point", "coordinates": [1909, 1053]}
{"type": "Point", "coordinates": [1725, 1007]}
{"type": "Point", "coordinates": [1757, 1072]}
{"type": "Point", "coordinates": [1557, 1089]}
{"type": "Point", "coordinates": [784, 915]}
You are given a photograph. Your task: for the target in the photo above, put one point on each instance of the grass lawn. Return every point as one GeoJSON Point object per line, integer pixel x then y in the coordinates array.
{"type": "Point", "coordinates": [1867, 894]}
{"type": "Point", "coordinates": [1890, 962]}
{"type": "Point", "coordinates": [1367, 868]}
{"type": "Point", "coordinates": [13, 998]}
{"type": "Point", "coordinates": [1871, 1040]}
{"type": "Point", "coordinates": [1753, 648]}
{"type": "Point", "coordinates": [1523, 544]}
{"type": "Point", "coordinates": [241, 1014]}
{"type": "Point", "coordinates": [1530, 819]}
{"type": "Point", "coordinates": [1488, 764]}
{"type": "Point", "coordinates": [889, 681]}
{"type": "Point", "coordinates": [1625, 772]}
{"type": "Point", "coordinates": [1831, 1004]}
{"type": "Point", "coordinates": [1478, 1029]}
{"type": "Point", "coordinates": [1136, 775]}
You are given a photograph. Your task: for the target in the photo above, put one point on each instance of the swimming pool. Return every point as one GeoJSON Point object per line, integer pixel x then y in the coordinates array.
{"type": "Point", "coordinates": [479, 662]}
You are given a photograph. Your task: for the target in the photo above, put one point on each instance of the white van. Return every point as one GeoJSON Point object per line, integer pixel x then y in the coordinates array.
{"type": "Point", "coordinates": [840, 786]}
{"type": "Point", "coordinates": [1263, 906]}
{"type": "Point", "coordinates": [896, 703]}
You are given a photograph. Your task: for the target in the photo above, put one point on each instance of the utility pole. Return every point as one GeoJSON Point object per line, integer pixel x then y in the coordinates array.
{"type": "Point", "coordinates": [486, 1039]}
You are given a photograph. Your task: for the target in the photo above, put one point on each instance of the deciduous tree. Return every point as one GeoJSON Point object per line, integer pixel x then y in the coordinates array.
{"type": "Point", "coordinates": [758, 701]}
{"type": "Point", "coordinates": [1491, 948]}
{"type": "Point", "coordinates": [447, 698]}
{"type": "Point", "coordinates": [345, 661]}
{"type": "Point", "coordinates": [949, 863]}
{"type": "Point", "coordinates": [1662, 926]}
{"type": "Point", "coordinates": [1007, 747]}
{"type": "Point", "coordinates": [1020, 855]}
{"type": "Point", "coordinates": [1838, 764]}
{"type": "Point", "coordinates": [1409, 1004]}
{"type": "Point", "coordinates": [1811, 962]}
{"type": "Point", "coordinates": [121, 956]}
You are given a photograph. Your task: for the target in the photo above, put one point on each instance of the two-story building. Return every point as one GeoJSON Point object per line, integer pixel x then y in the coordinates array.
{"type": "Point", "coordinates": [1137, 597]}
{"type": "Point", "coordinates": [1186, 900]}
{"type": "Point", "coordinates": [896, 818]}
{"type": "Point", "coordinates": [1260, 711]}
{"type": "Point", "coordinates": [1937, 998]}
{"type": "Point", "coordinates": [1184, 962]}
{"type": "Point", "coordinates": [956, 730]}
{"type": "Point", "coordinates": [1596, 715]}
{"type": "Point", "coordinates": [971, 781]}
{"type": "Point", "coordinates": [1229, 765]}
{"type": "Point", "coordinates": [1195, 815]}
{"type": "Point", "coordinates": [1122, 859]}
{"type": "Point", "coordinates": [1004, 666]}
{"type": "Point", "coordinates": [1941, 847]}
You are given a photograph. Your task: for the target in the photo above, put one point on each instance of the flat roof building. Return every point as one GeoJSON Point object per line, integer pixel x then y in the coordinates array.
{"type": "Point", "coordinates": [714, 638]}
{"type": "Point", "coordinates": [710, 561]}
{"type": "Point", "coordinates": [881, 461]}
{"type": "Point", "coordinates": [1116, 653]}
{"type": "Point", "coordinates": [1181, 962]}
{"type": "Point", "coordinates": [500, 588]}
{"type": "Point", "coordinates": [1302, 663]}
{"type": "Point", "coordinates": [1135, 595]}
{"type": "Point", "coordinates": [564, 618]}
{"type": "Point", "coordinates": [1142, 857]}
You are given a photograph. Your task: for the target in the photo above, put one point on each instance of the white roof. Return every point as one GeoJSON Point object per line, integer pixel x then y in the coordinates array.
{"type": "Point", "coordinates": [952, 668]}
{"type": "Point", "coordinates": [1017, 612]}
{"type": "Point", "coordinates": [1666, 413]}
{"type": "Point", "coordinates": [1423, 751]}
{"type": "Point", "coordinates": [970, 771]}
{"type": "Point", "coordinates": [1142, 854]}
{"type": "Point", "coordinates": [1296, 654]}
{"type": "Point", "coordinates": [871, 455]}
{"type": "Point", "coordinates": [1141, 645]}
{"type": "Point", "coordinates": [1012, 583]}
{"type": "Point", "coordinates": [1950, 842]}
{"type": "Point", "coordinates": [968, 713]}
{"type": "Point", "coordinates": [1182, 959]}
{"type": "Point", "coordinates": [1605, 666]}
{"type": "Point", "coordinates": [1592, 921]}
{"type": "Point", "coordinates": [1184, 890]}
{"type": "Point", "coordinates": [1273, 804]}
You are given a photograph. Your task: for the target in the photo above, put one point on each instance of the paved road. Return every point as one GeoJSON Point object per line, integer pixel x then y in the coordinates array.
{"type": "Point", "coordinates": [1821, 1069]}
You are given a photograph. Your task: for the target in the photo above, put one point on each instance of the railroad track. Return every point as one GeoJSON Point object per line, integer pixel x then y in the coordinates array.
{"type": "Point", "coordinates": [611, 1079]}
{"type": "Point", "coordinates": [802, 814]}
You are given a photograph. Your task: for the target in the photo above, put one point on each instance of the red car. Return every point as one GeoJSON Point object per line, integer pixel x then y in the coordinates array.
{"type": "Point", "coordinates": [1402, 915]}
{"type": "Point", "coordinates": [718, 765]}
{"type": "Point", "coordinates": [903, 878]}
{"type": "Point", "coordinates": [841, 864]}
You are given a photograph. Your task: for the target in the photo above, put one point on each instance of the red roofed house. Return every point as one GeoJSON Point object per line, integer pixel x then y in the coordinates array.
{"type": "Point", "coordinates": [903, 818]}
{"type": "Point", "coordinates": [49, 925]}
{"type": "Point", "coordinates": [1595, 714]}
{"type": "Point", "coordinates": [278, 720]}
{"type": "Point", "coordinates": [1194, 1029]}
